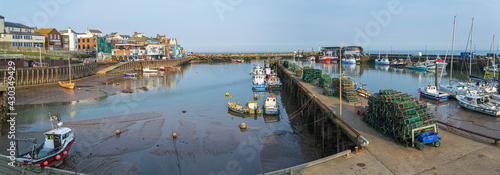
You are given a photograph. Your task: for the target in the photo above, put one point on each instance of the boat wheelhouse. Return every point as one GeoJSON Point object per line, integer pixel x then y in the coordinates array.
{"type": "Point", "coordinates": [271, 106]}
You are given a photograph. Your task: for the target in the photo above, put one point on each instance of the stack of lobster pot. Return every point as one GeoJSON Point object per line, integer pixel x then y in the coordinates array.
{"type": "Point", "coordinates": [311, 75]}
{"type": "Point", "coordinates": [325, 80]}
{"type": "Point", "coordinates": [348, 92]}
{"type": "Point", "coordinates": [396, 114]}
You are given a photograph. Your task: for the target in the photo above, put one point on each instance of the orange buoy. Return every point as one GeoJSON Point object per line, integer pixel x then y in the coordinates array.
{"type": "Point", "coordinates": [65, 152]}
{"type": "Point", "coordinates": [118, 132]}
{"type": "Point", "coordinates": [58, 157]}
{"type": "Point", "coordinates": [243, 126]}
{"type": "Point", "coordinates": [106, 84]}
{"type": "Point", "coordinates": [174, 135]}
{"type": "Point", "coordinates": [45, 163]}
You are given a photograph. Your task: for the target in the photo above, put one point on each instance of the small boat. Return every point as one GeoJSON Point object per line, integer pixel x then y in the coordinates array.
{"type": "Point", "coordinates": [259, 82]}
{"type": "Point", "coordinates": [349, 60]}
{"type": "Point", "coordinates": [163, 68]}
{"type": "Point", "coordinates": [235, 61]}
{"type": "Point", "coordinates": [235, 107]}
{"type": "Point", "coordinates": [68, 85]}
{"type": "Point", "coordinates": [394, 63]}
{"type": "Point", "coordinates": [129, 74]}
{"type": "Point", "coordinates": [479, 102]}
{"type": "Point", "coordinates": [274, 83]}
{"type": "Point", "coordinates": [147, 70]}
{"type": "Point", "coordinates": [362, 92]}
{"type": "Point", "coordinates": [175, 68]}
{"type": "Point", "coordinates": [327, 59]}
{"type": "Point", "coordinates": [441, 64]}
{"type": "Point", "coordinates": [253, 108]}
{"type": "Point", "coordinates": [311, 58]}
{"type": "Point", "coordinates": [271, 106]}
{"type": "Point", "coordinates": [418, 66]}
{"type": "Point", "coordinates": [382, 61]}
{"type": "Point", "coordinates": [433, 93]}
{"type": "Point", "coordinates": [53, 150]}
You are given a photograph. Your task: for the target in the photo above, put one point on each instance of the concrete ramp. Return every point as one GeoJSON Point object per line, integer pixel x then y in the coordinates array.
{"type": "Point", "coordinates": [110, 68]}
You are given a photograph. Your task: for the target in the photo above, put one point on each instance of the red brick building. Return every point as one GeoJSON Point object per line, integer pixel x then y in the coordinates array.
{"type": "Point", "coordinates": [53, 39]}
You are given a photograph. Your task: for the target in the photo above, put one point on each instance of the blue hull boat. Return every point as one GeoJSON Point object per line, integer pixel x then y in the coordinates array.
{"type": "Point", "coordinates": [432, 93]}
{"type": "Point", "coordinates": [129, 74]}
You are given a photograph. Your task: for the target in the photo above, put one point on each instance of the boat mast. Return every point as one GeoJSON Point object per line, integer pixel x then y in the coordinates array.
{"type": "Point", "coordinates": [470, 56]}
{"type": "Point", "coordinates": [69, 63]}
{"type": "Point", "coordinates": [452, 44]}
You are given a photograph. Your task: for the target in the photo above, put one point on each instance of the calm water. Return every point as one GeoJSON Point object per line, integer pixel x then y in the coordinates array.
{"type": "Point", "coordinates": [377, 77]}
{"type": "Point", "coordinates": [209, 139]}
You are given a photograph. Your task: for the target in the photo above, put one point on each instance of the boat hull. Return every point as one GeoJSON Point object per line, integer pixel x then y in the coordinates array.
{"type": "Point", "coordinates": [67, 85]}
{"type": "Point", "coordinates": [259, 87]}
{"type": "Point", "coordinates": [51, 160]}
{"type": "Point", "coordinates": [481, 110]}
{"type": "Point", "coordinates": [270, 111]}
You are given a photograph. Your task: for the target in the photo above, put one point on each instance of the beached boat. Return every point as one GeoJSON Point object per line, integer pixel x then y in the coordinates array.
{"type": "Point", "coordinates": [53, 150]}
{"type": "Point", "coordinates": [147, 70]}
{"type": "Point", "coordinates": [271, 106]}
{"type": "Point", "coordinates": [235, 107]}
{"type": "Point", "coordinates": [274, 83]}
{"type": "Point", "coordinates": [162, 69]}
{"type": "Point", "coordinates": [433, 93]}
{"type": "Point", "coordinates": [253, 108]}
{"type": "Point", "coordinates": [68, 85]}
{"type": "Point", "coordinates": [362, 92]}
{"type": "Point", "coordinates": [129, 74]}
{"type": "Point", "coordinates": [259, 82]}
{"type": "Point", "coordinates": [479, 102]}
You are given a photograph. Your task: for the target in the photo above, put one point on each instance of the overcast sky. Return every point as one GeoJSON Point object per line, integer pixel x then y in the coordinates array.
{"type": "Point", "coordinates": [270, 25]}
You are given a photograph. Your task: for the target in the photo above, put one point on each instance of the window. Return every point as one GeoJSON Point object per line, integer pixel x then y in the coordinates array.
{"type": "Point", "coordinates": [83, 46]}
{"type": "Point", "coordinates": [88, 40]}
{"type": "Point", "coordinates": [49, 137]}
{"type": "Point", "coordinates": [78, 46]}
{"type": "Point", "coordinates": [78, 40]}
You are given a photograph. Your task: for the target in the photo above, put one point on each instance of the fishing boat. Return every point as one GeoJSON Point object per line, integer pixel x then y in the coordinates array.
{"type": "Point", "coordinates": [349, 60]}
{"type": "Point", "coordinates": [129, 74]}
{"type": "Point", "coordinates": [235, 61]}
{"type": "Point", "coordinates": [479, 102]}
{"type": "Point", "coordinates": [253, 108]}
{"type": "Point", "coordinates": [235, 107]}
{"type": "Point", "coordinates": [257, 71]}
{"type": "Point", "coordinates": [271, 106]}
{"type": "Point", "coordinates": [432, 93]}
{"type": "Point", "coordinates": [311, 58]}
{"type": "Point", "coordinates": [382, 61]}
{"type": "Point", "coordinates": [259, 82]}
{"type": "Point", "coordinates": [268, 71]}
{"type": "Point", "coordinates": [147, 70]}
{"type": "Point", "coordinates": [441, 64]}
{"type": "Point", "coordinates": [274, 83]}
{"type": "Point", "coordinates": [418, 66]}
{"type": "Point", "coordinates": [327, 59]}
{"type": "Point", "coordinates": [53, 150]}
{"type": "Point", "coordinates": [162, 69]}
{"type": "Point", "coordinates": [68, 85]}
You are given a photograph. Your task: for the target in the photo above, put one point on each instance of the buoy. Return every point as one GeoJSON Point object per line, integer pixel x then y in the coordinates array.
{"type": "Point", "coordinates": [45, 163]}
{"type": "Point", "coordinates": [184, 111]}
{"type": "Point", "coordinates": [227, 93]}
{"type": "Point", "coordinates": [106, 84]}
{"type": "Point", "coordinates": [79, 89]}
{"type": "Point", "coordinates": [243, 126]}
{"type": "Point", "coordinates": [174, 135]}
{"type": "Point", "coordinates": [58, 157]}
{"type": "Point", "coordinates": [118, 132]}
{"type": "Point", "coordinates": [65, 152]}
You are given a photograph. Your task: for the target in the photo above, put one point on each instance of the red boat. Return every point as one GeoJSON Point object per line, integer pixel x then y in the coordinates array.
{"type": "Point", "coordinates": [163, 69]}
{"type": "Point", "coordinates": [52, 151]}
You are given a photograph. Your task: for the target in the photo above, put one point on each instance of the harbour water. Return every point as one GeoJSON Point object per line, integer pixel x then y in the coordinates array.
{"type": "Point", "coordinates": [192, 103]}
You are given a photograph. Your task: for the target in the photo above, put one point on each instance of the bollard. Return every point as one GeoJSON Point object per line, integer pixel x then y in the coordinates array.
{"type": "Point", "coordinates": [356, 150]}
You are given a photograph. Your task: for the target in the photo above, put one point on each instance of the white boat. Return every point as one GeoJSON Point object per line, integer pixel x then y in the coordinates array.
{"type": "Point", "coordinates": [274, 83]}
{"type": "Point", "coordinates": [53, 150]}
{"type": "Point", "coordinates": [349, 60]}
{"type": "Point", "coordinates": [479, 102]}
{"type": "Point", "coordinates": [257, 71]}
{"type": "Point", "coordinates": [147, 70]}
{"type": "Point", "coordinates": [259, 82]}
{"type": "Point", "coordinates": [271, 106]}
{"type": "Point", "coordinates": [441, 64]}
{"type": "Point", "coordinates": [433, 93]}
{"type": "Point", "coordinates": [382, 61]}
{"type": "Point", "coordinates": [311, 58]}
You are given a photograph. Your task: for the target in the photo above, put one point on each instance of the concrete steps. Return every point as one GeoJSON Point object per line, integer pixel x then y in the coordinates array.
{"type": "Point", "coordinates": [110, 68]}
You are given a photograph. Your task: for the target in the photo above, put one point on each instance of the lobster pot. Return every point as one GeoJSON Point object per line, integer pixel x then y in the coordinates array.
{"type": "Point", "coordinates": [325, 80]}
{"type": "Point", "coordinates": [311, 75]}
{"type": "Point", "coordinates": [348, 92]}
{"type": "Point", "coordinates": [293, 67]}
{"type": "Point", "coordinates": [328, 91]}
{"type": "Point", "coordinates": [396, 114]}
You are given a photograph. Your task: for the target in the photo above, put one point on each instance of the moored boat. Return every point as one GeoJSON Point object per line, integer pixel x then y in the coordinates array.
{"type": "Point", "coordinates": [479, 102]}
{"type": "Point", "coordinates": [129, 74]}
{"type": "Point", "coordinates": [259, 82]}
{"type": "Point", "coordinates": [235, 107]}
{"type": "Point", "coordinates": [147, 70]}
{"type": "Point", "coordinates": [163, 68]}
{"type": "Point", "coordinates": [382, 61]}
{"type": "Point", "coordinates": [253, 108]}
{"type": "Point", "coordinates": [274, 83]}
{"type": "Point", "coordinates": [68, 85]}
{"type": "Point", "coordinates": [53, 150]}
{"type": "Point", "coordinates": [433, 93]}
{"type": "Point", "coordinates": [271, 106]}
{"type": "Point", "coordinates": [349, 60]}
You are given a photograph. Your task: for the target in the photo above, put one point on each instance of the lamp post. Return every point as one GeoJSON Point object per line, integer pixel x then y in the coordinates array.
{"type": "Point", "coordinates": [40, 64]}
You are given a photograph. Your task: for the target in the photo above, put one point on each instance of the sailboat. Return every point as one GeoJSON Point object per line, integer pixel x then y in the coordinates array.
{"type": "Point", "coordinates": [68, 85]}
{"type": "Point", "coordinates": [493, 69]}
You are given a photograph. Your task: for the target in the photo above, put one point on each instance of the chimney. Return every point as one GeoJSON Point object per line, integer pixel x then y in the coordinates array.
{"type": "Point", "coordinates": [88, 30]}
{"type": "Point", "coordinates": [69, 29]}
{"type": "Point", "coordinates": [99, 29]}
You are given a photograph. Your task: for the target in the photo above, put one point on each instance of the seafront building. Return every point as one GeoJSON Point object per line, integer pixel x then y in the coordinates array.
{"type": "Point", "coordinates": [17, 36]}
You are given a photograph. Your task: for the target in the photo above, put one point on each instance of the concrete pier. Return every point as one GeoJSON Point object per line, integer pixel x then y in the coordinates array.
{"type": "Point", "coordinates": [456, 155]}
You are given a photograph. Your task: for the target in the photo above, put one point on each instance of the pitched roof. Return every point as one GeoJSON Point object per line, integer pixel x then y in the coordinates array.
{"type": "Point", "coordinates": [44, 31]}
{"type": "Point", "coordinates": [94, 31]}
{"type": "Point", "coordinates": [1, 17]}
{"type": "Point", "coordinates": [18, 25]}
{"type": "Point", "coordinates": [113, 33]}
{"type": "Point", "coordinates": [25, 33]}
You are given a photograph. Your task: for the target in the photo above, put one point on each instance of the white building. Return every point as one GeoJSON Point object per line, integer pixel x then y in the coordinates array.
{"type": "Point", "coordinates": [71, 40]}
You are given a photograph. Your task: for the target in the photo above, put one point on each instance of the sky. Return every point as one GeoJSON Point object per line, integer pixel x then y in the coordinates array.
{"type": "Point", "coordinates": [273, 25]}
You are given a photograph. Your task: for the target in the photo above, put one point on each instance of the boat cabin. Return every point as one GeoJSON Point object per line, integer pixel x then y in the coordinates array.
{"type": "Point", "coordinates": [55, 140]}
{"type": "Point", "coordinates": [270, 102]}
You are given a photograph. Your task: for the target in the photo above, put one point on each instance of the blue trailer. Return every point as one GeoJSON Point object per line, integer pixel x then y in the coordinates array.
{"type": "Point", "coordinates": [419, 139]}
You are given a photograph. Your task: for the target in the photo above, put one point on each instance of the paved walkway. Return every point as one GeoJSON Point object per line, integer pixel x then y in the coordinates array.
{"type": "Point", "coordinates": [456, 155]}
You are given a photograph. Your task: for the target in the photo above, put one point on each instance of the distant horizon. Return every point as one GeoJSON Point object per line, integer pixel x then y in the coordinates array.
{"type": "Point", "coordinates": [244, 26]}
